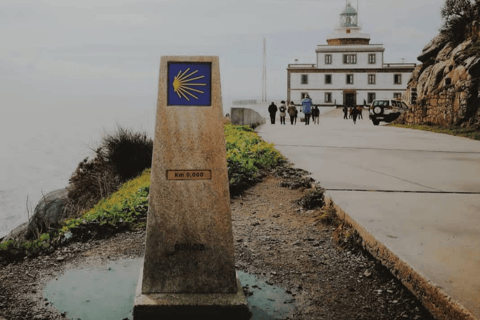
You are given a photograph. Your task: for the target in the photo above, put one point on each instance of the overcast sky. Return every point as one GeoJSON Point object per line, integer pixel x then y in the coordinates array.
{"type": "Point", "coordinates": [64, 52]}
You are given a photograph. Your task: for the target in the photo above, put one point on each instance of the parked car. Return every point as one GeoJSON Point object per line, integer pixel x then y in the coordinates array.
{"type": "Point", "coordinates": [386, 110]}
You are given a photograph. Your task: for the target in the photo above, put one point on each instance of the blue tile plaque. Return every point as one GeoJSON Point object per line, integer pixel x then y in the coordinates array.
{"type": "Point", "coordinates": [189, 84]}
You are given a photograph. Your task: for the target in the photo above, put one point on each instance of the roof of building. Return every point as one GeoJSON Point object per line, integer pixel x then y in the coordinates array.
{"type": "Point", "coordinates": [355, 48]}
{"type": "Point", "coordinates": [352, 33]}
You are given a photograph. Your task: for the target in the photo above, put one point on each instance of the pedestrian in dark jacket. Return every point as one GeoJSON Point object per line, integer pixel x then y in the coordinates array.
{"type": "Point", "coordinates": [272, 109]}
{"type": "Point", "coordinates": [283, 112]}
{"type": "Point", "coordinates": [345, 112]}
{"type": "Point", "coordinates": [315, 115]}
{"type": "Point", "coordinates": [292, 112]}
{"type": "Point", "coordinates": [354, 115]}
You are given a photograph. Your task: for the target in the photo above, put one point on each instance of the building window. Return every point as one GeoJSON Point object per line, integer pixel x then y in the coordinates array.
{"type": "Point", "coordinates": [303, 95]}
{"type": "Point", "coordinates": [371, 79]}
{"type": "Point", "coordinates": [371, 97]}
{"type": "Point", "coordinates": [328, 79]}
{"type": "Point", "coordinates": [371, 58]}
{"type": "Point", "coordinates": [397, 79]}
{"type": "Point", "coordinates": [328, 59]}
{"type": "Point", "coordinates": [397, 95]}
{"type": "Point", "coordinates": [304, 78]}
{"type": "Point", "coordinates": [328, 97]}
{"type": "Point", "coordinates": [349, 58]}
{"type": "Point", "coordinates": [349, 78]}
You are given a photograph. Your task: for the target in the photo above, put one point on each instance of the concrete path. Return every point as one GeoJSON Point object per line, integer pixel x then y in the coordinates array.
{"type": "Point", "coordinates": [414, 196]}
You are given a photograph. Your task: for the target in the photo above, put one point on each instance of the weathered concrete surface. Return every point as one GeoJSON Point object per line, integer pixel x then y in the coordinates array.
{"type": "Point", "coordinates": [246, 117]}
{"type": "Point", "coordinates": [189, 246]}
{"type": "Point", "coordinates": [414, 196]}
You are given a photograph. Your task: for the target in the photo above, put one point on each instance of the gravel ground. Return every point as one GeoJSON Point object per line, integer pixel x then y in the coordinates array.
{"type": "Point", "coordinates": [291, 247]}
{"type": "Point", "coordinates": [275, 239]}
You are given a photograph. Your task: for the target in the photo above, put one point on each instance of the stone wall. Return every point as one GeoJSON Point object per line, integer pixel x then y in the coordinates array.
{"type": "Point", "coordinates": [246, 117]}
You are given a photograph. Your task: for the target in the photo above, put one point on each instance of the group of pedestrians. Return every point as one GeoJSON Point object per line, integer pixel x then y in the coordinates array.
{"type": "Point", "coordinates": [293, 112]}
{"type": "Point", "coordinates": [354, 113]}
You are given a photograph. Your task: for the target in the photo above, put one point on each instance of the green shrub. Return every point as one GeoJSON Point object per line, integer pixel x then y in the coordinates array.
{"type": "Point", "coordinates": [129, 152]}
{"type": "Point", "coordinates": [7, 245]}
{"type": "Point", "coordinates": [458, 16]}
{"type": "Point", "coordinates": [246, 154]}
{"type": "Point", "coordinates": [45, 237]}
{"type": "Point", "coordinates": [121, 156]}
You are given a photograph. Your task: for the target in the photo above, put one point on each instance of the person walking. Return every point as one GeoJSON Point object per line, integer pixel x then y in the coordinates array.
{"type": "Point", "coordinates": [315, 115]}
{"type": "Point", "coordinates": [272, 109]}
{"type": "Point", "coordinates": [345, 112]}
{"type": "Point", "coordinates": [307, 108]}
{"type": "Point", "coordinates": [292, 112]}
{"type": "Point", "coordinates": [296, 115]}
{"type": "Point", "coordinates": [360, 109]}
{"type": "Point", "coordinates": [354, 115]}
{"type": "Point", "coordinates": [283, 112]}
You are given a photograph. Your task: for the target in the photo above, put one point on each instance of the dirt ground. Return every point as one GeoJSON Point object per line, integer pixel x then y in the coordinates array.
{"type": "Point", "coordinates": [275, 238]}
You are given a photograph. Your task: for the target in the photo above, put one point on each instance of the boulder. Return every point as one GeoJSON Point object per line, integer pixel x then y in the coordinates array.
{"type": "Point", "coordinates": [431, 50]}
{"type": "Point", "coordinates": [48, 212]}
{"type": "Point", "coordinates": [18, 234]}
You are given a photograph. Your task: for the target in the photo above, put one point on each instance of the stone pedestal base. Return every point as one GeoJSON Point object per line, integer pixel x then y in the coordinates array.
{"type": "Point", "coordinates": [232, 306]}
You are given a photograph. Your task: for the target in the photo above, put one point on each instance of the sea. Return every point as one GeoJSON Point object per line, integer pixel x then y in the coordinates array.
{"type": "Point", "coordinates": [41, 146]}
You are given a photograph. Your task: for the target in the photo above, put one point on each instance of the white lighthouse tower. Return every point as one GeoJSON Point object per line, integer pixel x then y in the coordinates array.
{"type": "Point", "coordinates": [349, 70]}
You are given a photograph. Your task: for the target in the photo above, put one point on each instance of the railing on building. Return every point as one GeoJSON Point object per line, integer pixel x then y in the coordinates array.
{"type": "Point", "coordinates": [301, 65]}
{"type": "Point", "coordinates": [244, 102]}
{"type": "Point", "coordinates": [399, 65]}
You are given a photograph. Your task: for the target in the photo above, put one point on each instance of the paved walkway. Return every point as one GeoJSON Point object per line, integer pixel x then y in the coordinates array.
{"type": "Point", "coordinates": [413, 195]}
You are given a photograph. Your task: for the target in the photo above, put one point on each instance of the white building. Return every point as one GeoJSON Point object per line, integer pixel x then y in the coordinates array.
{"type": "Point", "coordinates": [349, 70]}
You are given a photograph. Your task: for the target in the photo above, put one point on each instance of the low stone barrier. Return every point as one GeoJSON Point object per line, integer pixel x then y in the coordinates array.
{"type": "Point", "coordinates": [245, 116]}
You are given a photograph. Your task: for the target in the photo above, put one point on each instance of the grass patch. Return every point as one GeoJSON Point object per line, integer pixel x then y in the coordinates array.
{"type": "Point", "coordinates": [470, 133]}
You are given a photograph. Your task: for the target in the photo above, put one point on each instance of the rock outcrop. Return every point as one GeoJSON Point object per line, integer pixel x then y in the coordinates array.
{"type": "Point", "coordinates": [18, 234]}
{"type": "Point", "coordinates": [48, 213]}
{"type": "Point", "coordinates": [447, 84]}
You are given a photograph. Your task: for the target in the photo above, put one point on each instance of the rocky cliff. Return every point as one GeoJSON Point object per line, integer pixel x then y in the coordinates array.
{"type": "Point", "coordinates": [446, 83]}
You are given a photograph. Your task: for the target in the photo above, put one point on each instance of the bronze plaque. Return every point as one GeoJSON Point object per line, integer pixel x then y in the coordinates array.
{"type": "Point", "coordinates": [189, 174]}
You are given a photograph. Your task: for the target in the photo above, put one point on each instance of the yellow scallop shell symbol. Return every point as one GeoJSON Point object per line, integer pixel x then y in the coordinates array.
{"type": "Point", "coordinates": [181, 84]}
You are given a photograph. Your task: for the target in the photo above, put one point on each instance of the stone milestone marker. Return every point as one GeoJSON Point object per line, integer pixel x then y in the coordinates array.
{"type": "Point", "coordinates": [189, 266]}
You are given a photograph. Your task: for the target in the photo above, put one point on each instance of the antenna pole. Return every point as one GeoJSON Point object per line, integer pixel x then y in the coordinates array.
{"type": "Point", "coordinates": [358, 16]}
{"type": "Point", "coordinates": [264, 75]}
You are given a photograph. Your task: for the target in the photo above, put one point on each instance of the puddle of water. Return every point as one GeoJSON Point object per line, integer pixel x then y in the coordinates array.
{"type": "Point", "coordinates": [267, 301]}
{"type": "Point", "coordinates": [107, 292]}
{"type": "Point", "coordinates": [93, 293]}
